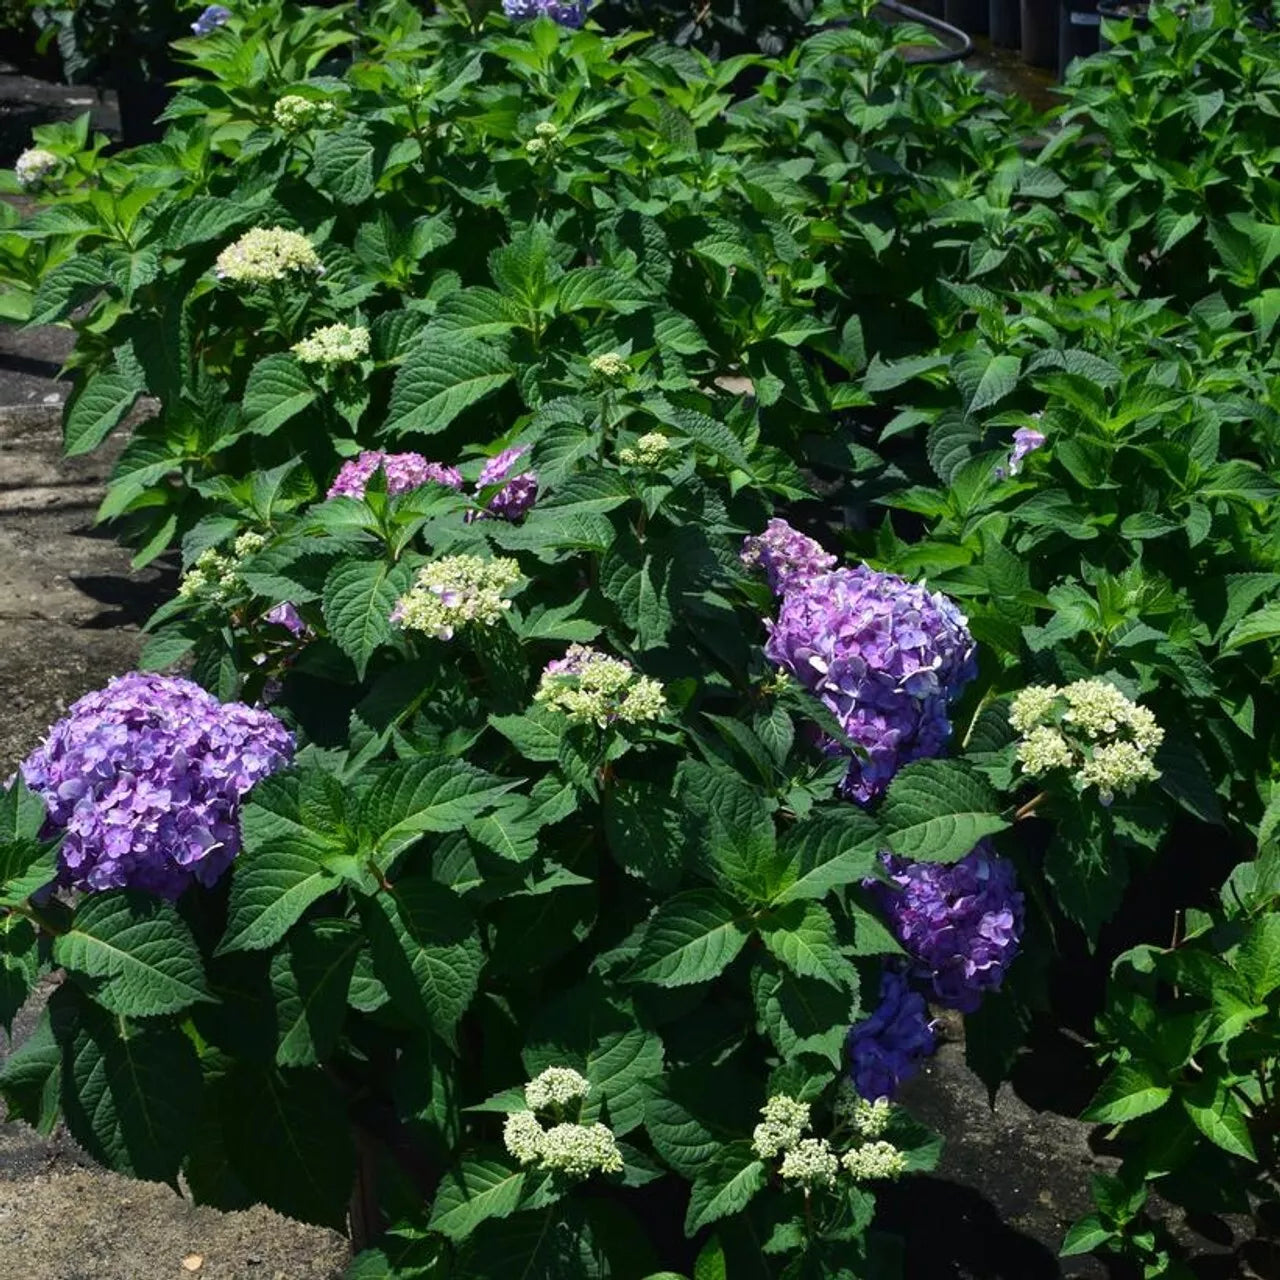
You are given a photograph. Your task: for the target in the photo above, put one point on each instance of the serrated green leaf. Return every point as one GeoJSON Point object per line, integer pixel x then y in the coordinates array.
{"type": "Point", "coordinates": [97, 408]}
{"type": "Point", "coordinates": [358, 600]}
{"type": "Point", "coordinates": [724, 1186]}
{"type": "Point", "coordinates": [802, 935]}
{"type": "Point", "coordinates": [1130, 1091]}
{"type": "Point", "coordinates": [1217, 1113]}
{"type": "Point", "coordinates": [830, 849]}
{"type": "Point", "coordinates": [691, 938]}
{"type": "Point", "coordinates": [278, 389]}
{"type": "Point", "coordinates": [310, 979]}
{"type": "Point", "coordinates": [135, 954]}
{"type": "Point", "coordinates": [478, 1190]}
{"type": "Point", "coordinates": [937, 810]}
{"type": "Point", "coordinates": [270, 889]}
{"type": "Point", "coordinates": [438, 380]}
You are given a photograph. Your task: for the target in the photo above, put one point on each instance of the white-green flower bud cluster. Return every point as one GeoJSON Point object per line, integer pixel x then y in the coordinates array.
{"type": "Point", "coordinates": [457, 592]}
{"type": "Point", "coordinates": [650, 450]}
{"type": "Point", "coordinates": [610, 366]}
{"type": "Point", "coordinates": [871, 1119]}
{"type": "Point", "coordinates": [556, 1087]}
{"type": "Point", "coordinates": [811, 1163]}
{"type": "Point", "coordinates": [266, 254]}
{"type": "Point", "coordinates": [294, 113]}
{"type": "Point", "coordinates": [873, 1161]}
{"type": "Point", "coordinates": [547, 130]}
{"type": "Point", "coordinates": [575, 1150]}
{"type": "Point", "coordinates": [784, 1124]}
{"type": "Point", "coordinates": [1091, 729]}
{"type": "Point", "coordinates": [215, 578]}
{"type": "Point", "coordinates": [592, 688]}
{"type": "Point", "coordinates": [334, 344]}
{"type": "Point", "coordinates": [33, 167]}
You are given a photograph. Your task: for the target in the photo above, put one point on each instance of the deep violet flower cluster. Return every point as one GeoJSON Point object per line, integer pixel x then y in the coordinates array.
{"type": "Point", "coordinates": [884, 655]}
{"type": "Point", "coordinates": [960, 924]}
{"type": "Point", "coordinates": [518, 493]}
{"type": "Point", "coordinates": [786, 555]}
{"type": "Point", "coordinates": [145, 777]}
{"type": "Point", "coordinates": [404, 471]}
{"type": "Point", "coordinates": [887, 1048]}
{"type": "Point", "coordinates": [567, 15]}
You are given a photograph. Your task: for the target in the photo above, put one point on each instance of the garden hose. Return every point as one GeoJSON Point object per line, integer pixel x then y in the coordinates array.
{"type": "Point", "coordinates": [950, 54]}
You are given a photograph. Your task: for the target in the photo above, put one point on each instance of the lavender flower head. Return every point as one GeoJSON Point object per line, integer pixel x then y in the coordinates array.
{"type": "Point", "coordinates": [888, 1047]}
{"type": "Point", "coordinates": [884, 656]}
{"type": "Point", "coordinates": [146, 776]}
{"type": "Point", "coordinates": [567, 15]}
{"type": "Point", "coordinates": [516, 496]}
{"type": "Point", "coordinates": [215, 16]}
{"type": "Point", "coordinates": [404, 471]}
{"type": "Point", "coordinates": [960, 924]}
{"type": "Point", "coordinates": [786, 555]}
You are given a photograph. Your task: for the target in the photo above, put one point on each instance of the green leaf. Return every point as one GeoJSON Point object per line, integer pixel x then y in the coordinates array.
{"type": "Point", "coordinates": [97, 407]}
{"type": "Point", "coordinates": [427, 952]}
{"type": "Point", "coordinates": [1130, 1091]}
{"type": "Point", "coordinates": [724, 1186]}
{"type": "Point", "coordinates": [270, 889]}
{"type": "Point", "coordinates": [19, 965]}
{"type": "Point", "coordinates": [937, 810]}
{"type": "Point", "coordinates": [31, 1078]}
{"type": "Point", "coordinates": [1217, 1113]}
{"type": "Point", "coordinates": [479, 1189]}
{"type": "Point", "coordinates": [310, 979]}
{"type": "Point", "coordinates": [136, 953]}
{"type": "Point", "coordinates": [438, 380]}
{"type": "Point", "coordinates": [278, 389]}
{"type": "Point", "coordinates": [359, 596]}
{"type": "Point", "coordinates": [536, 735]}
{"type": "Point", "coordinates": [801, 1015]}
{"type": "Point", "coordinates": [130, 1094]}
{"type": "Point", "coordinates": [983, 378]}
{"type": "Point", "coordinates": [1258, 959]}
{"type": "Point", "coordinates": [647, 833]}
{"type": "Point", "coordinates": [832, 848]}
{"type": "Point", "coordinates": [691, 938]}
{"type": "Point", "coordinates": [1085, 1236]}
{"type": "Point", "coordinates": [344, 164]}
{"type": "Point", "coordinates": [22, 813]}
{"type": "Point", "coordinates": [803, 937]}
{"type": "Point", "coordinates": [1263, 624]}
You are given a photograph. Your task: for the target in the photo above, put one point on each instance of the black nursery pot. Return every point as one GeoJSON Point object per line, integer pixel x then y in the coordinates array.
{"type": "Point", "coordinates": [1039, 33]}
{"type": "Point", "coordinates": [1004, 19]}
{"type": "Point", "coordinates": [1079, 27]}
{"type": "Point", "coordinates": [969, 15]}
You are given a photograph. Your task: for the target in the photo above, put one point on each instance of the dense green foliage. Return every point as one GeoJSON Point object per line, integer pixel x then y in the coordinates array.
{"type": "Point", "coordinates": [839, 282]}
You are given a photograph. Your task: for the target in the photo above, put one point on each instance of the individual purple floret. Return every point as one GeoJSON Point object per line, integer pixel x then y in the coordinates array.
{"type": "Point", "coordinates": [516, 496]}
{"type": "Point", "coordinates": [887, 1048]}
{"type": "Point", "coordinates": [884, 655]}
{"type": "Point", "coordinates": [404, 471]}
{"type": "Point", "coordinates": [567, 15]}
{"type": "Point", "coordinates": [215, 16]}
{"type": "Point", "coordinates": [960, 924]}
{"type": "Point", "coordinates": [1025, 440]}
{"type": "Point", "coordinates": [286, 615]}
{"type": "Point", "coordinates": [786, 555]}
{"type": "Point", "coordinates": [146, 777]}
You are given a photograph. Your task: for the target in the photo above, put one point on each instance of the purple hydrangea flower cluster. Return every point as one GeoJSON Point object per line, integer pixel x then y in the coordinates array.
{"type": "Point", "coordinates": [960, 924]}
{"type": "Point", "coordinates": [1025, 440]}
{"type": "Point", "coordinates": [786, 555]}
{"type": "Point", "coordinates": [517, 494]}
{"type": "Point", "coordinates": [887, 1048]}
{"type": "Point", "coordinates": [286, 615]}
{"type": "Point", "coordinates": [404, 471]}
{"type": "Point", "coordinates": [884, 655]}
{"type": "Point", "coordinates": [573, 14]}
{"type": "Point", "coordinates": [211, 19]}
{"type": "Point", "coordinates": [145, 777]}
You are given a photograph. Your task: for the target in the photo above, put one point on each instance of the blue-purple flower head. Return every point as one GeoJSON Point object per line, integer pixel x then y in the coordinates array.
{"type": "Point", "coordinates": [215, 16]}
{"type": "Point", "coordinates": [887, 1048]}
{"type": "Point", "coordinates": [518, 492]}
{"type": "Point", "coordinates": [786, 555]}
{"type": "Point", "coordinates": [567, 15]}
{"type": "Point", "coordinates": [1025, 440]}
{"type": "Point", "coordinates": [145, 778]}
{"type": "Point", "coordinates": [960, 924]}
{"type": "Point", "coordinates": [884, 655]}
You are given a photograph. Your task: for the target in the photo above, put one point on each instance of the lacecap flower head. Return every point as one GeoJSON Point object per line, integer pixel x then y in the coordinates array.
{"type": "Point", "coordinates": [214, 579]}
{"type": "Point", "coordinates": [811, 1163]}
{"type": "Point", "coordinates": [884, 655]}
{"type": "Point", "coordinates": [403, 471]}
{"type": "Point", "coordinates": [590, 687]}
{"type": "Point", "coordinates": [786, 555]}
{"type": "Point", "coordinates": [34, 167]}
{"type": "Point", "coordinates": [293, 112]}
{"type": "Point", "coordinates": [556, 1088]}
{"type": "Point", "coordinates": [650, 450]}
{"type": "Point", "coordinates": [334, 344]}
{"type": "Point", "coordinates": [457, 592]}
{"type": "Point", "coordinates": [266, 254]}
{"type": "Point", "coordinates": [611, 366]}
{"type": "Point", "coordinates": [887, 1047]}
{"type": "Point", "coordinates": [784, 1123]}
{"type": "Point", "coordinates": [145, 777]}
{"type": "Point", "coordinates": [874, 1161]}
{"type": "Point", "coordinates": [1091, 729]}
{"type": "Point", "coordinates": [960, 924]}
